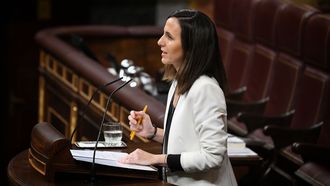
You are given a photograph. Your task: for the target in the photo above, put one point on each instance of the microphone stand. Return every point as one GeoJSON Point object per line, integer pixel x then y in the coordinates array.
{"type": "Point", "coordinates": [100, 129]}
{"type": "Point", "coordinates": [87, 105]}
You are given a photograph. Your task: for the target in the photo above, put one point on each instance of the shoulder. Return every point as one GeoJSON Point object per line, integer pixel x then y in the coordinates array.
{"type": "Point", "coordinates": [204, 80]}
{"type": "Point", "coordinates": [206, 85]}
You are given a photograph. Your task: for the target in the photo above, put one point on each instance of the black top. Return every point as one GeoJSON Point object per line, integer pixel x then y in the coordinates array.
{"type": "Point", "coordinates": [173, 160]}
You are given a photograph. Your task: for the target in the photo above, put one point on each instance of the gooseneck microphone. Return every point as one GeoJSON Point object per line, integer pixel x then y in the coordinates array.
{"type": "Point", "coordinates": [100, 128]}
{"type": "Point", "coordinates": [89, 101]}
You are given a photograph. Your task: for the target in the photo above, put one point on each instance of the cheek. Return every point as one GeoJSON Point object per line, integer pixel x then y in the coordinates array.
{"type": "Point", "coordinates": [174, 55]}
{"type": "Point", "coordinates": [178, 53]}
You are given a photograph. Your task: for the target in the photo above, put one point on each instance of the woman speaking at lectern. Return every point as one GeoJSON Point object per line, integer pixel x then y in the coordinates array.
{"type": "Point", "coordinates": [194, 136]}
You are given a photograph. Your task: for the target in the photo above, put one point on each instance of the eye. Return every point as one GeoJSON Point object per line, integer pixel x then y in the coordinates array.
{"type": "Point", "coordinates": [169, 36]}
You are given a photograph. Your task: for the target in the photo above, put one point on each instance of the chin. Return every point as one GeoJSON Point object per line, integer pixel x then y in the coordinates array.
{"type": "Point", "coordinates": [164, 61]}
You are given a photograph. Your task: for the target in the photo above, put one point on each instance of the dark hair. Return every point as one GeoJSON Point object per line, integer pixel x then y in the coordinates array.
{"type": "Point", "coordinates": [201, 51]}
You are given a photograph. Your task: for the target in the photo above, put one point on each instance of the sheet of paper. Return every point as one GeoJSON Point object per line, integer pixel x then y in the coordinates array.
{"type": "Point", "coordinates": [101, 144]}
{"type": "Point", "coordinates": [107, 155]}
{"type": "Point", "coordinates": [241, 152]}
{"type": "Point", "coordinates": [108, 158]}
{"type": "Point", "coordinates": [235, 139]}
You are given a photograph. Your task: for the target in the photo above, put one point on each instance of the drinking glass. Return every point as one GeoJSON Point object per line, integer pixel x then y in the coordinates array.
{"type": "Point", "coordinates": [113, 133]}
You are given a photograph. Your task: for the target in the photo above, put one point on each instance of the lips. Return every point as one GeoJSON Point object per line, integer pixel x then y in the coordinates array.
{"type": "Point", "coordinates": [164, 53]}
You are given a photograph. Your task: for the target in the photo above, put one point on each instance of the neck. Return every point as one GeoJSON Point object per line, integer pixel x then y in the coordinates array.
{"type": "Point", "coordinates": [176, 98]}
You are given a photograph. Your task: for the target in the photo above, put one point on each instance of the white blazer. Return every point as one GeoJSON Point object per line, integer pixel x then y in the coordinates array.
{"type": "Point", "coordinates": [198, 133]}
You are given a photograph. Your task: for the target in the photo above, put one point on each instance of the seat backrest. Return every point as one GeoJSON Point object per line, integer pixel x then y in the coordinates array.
{"type": "Point", "coordinates": [259, 76]}
{"type": "Point", "coordinates": [324, 138]}
{"type": "Point", "coordinates": [265, 15]}
{"type": "Point", "coordinates": [286, 75]}
{"type": "Point", "coordinates": [240, 57]}
{"type": "Point", "coordinates": [311, 99]}
{"type": "Point", "coordinates": [222, 13]}
{"type": "Point", "coordinates": [316, 53]}
{"type": "Point", "coordinates": [289, 26]}
{"type": "Point", "coordinates": [258, 79]}
{"type": "Point", "coordinates": [243, 17]}
{"type": "Point", "coordinates": [225, 38]}
{"type": "Point", "coordinates": [316, 42]}
{"type": "Point", "coordinates": [240, 53]}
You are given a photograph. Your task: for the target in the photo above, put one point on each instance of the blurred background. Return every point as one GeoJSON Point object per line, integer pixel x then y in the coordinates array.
{"type": "Point", "coordinates": [22, 19]}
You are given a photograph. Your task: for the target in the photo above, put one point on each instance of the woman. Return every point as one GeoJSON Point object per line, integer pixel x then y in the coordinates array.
{"type": "Point", "coordinates": [194, 139]}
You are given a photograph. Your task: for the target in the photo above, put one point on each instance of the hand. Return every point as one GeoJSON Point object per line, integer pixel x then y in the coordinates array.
{"type": "Point", "coordinates": [145, 128]}
{"type": "Point", "coordinates": [142, 157]}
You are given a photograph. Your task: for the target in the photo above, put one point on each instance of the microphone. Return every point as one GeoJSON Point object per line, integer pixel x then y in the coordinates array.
{"type": "Point", "coordinates": [100, 128]}
{"type": "Point", "coordinates": [89, 101]}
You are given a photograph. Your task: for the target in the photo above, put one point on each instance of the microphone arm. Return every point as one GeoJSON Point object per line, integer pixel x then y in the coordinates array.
{"type": "Point", "coordinates": [100, 128]}
{"type": "Point", "coordinates": [89, 101]}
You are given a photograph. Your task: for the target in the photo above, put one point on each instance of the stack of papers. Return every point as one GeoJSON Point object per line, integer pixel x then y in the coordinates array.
{"type": "Point", "coordinates": [235, 142]}
{"type": "Point", "coordinates": [236, 147]}
{"type": "Point", "coordinates": [108, 158]}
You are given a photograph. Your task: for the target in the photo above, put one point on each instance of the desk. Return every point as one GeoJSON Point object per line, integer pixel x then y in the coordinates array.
{"type": "Point", "coordinates": [68, 172]}
{"type": "Point", "coordinates": [21, 173]}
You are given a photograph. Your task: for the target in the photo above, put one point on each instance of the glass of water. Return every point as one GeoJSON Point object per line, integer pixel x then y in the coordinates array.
{"type": "Point", "coordinates": [113, 133]}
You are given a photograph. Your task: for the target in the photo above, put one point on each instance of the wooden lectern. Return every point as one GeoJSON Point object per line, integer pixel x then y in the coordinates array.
{"type": "Point", "coordinates": [50, 154]}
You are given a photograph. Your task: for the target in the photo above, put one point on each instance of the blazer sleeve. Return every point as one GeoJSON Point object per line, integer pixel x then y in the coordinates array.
{"type": "Point", "coordinates": [209, 111]}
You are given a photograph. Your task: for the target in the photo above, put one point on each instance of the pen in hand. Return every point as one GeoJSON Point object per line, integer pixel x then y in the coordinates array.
{"type": "Point", "coordinates": [138, 123]}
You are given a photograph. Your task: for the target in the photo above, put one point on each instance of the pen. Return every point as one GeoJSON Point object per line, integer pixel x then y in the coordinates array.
{"type": "Point", "coordinates": [138, 123]}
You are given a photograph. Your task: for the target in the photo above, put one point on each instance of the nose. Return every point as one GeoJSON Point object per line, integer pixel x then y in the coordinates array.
{"type": "Point", "coordinates": [160, 41]}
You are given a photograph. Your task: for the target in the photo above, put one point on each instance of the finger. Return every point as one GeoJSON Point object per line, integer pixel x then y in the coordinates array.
{"type": "Point", "coordinates": [132, 113]}
{"type": "Point", "coordinates": [132, 120]}
{"type": "Point", "coordinates": [139, 114]}
{"type": "Point", "coordinates": [124, 160]}
{"type": "Point", "coordinates": [139, 127]}
{"type": "Point", "coordinates": [135, 128]}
